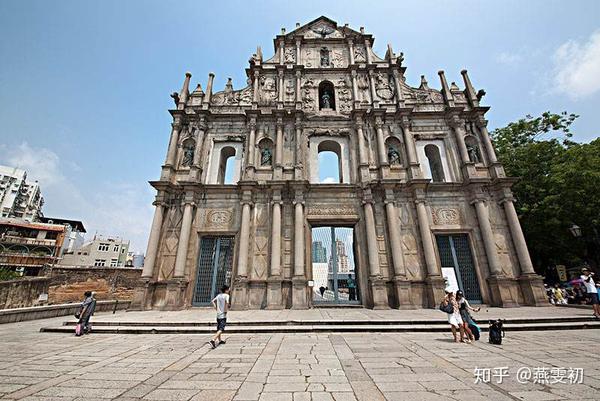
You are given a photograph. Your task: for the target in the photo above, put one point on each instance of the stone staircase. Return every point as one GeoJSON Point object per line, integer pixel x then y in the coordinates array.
{"type": "Point", "coordinates": [320, 326]}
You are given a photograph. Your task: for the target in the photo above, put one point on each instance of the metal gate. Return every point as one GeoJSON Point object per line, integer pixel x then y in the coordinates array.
{"type": "Point", "coordinates": [214, 268]}
{"type": "Point", "coordinates": [455, 253]}
{"type": "Point", "coordinates": [333, 267]}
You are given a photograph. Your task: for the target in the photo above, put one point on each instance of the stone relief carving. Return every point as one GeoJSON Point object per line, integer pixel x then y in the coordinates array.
{"type": "Point", "coordinates": [289, 90]}
{"type": "Point", "coordinates": [325, 61]}
{"type": "Point", "coordinates": [330, 211]}
{"type": "Point", "coordinates": [338, 59]}
{"type": "Point", "coordinates": [411, 257]}
{"type": "Point", "coordinates": [268, 89]}
{"type": "Point", "coordinates": [308, 58]}
{"type": "Point", "coordinates": [260, 257]}
{"type": "Point", "coordinates": [230, 97]}
{"type": "Point", "coordinates": [384, 87]}
{"type": "Point", "coordinates": [308, 99]}
{"type": "Point", "coordinates": [503, 253]}
{"type": "Point", "coordinates": [289, 55]}
{"type": "Point", "coordinates": [323, 30]}
{"type": "Point", "coordinates": [359, 54]}
{"type": "Point", "coordinates": [188, 154]}
{"type": "Point", "coordinates": [266, 157]}
{"type": "Point", "coordinates": [446, 216]}
{"type": "Point", "coordinates": [363, 87]}
{"type": "Point", "coordinates": [328, 132]}
{"type": "Point", "coordinates": [218, 218]}
{"type": "Point", "coordinates": [344, 96]}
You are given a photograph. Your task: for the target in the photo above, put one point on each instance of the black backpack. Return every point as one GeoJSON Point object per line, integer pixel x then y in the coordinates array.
{"type": "Point", "coordinates": [496, 332]}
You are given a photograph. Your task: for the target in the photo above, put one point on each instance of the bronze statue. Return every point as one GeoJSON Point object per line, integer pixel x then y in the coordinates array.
{"type": "Point", "coordinates": [266, 157]}
{"type": "Point", "coordinates": [393, 155]}
{"type": "Point", "coordinates": [326, 100]}
{"type": "Point", "coordinates": [188, 155]}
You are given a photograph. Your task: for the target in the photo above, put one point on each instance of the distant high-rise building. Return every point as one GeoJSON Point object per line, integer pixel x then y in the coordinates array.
{"type": "Point", "coordinates": [319, 254]}
{"type": "Point", "coordinates": [343, 266]}
{"type": "Point", "coordinates": [18, 198]}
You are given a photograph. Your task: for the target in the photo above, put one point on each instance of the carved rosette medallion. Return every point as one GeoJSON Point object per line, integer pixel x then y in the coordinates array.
{"type": "Point", "coordinates": [218, 218]}
{"type": "Point", "coordinates": [446, 216]}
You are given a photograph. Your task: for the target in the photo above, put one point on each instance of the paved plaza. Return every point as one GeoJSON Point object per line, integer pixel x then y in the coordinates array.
{"type": "Point", "coordinates": [38, 366]}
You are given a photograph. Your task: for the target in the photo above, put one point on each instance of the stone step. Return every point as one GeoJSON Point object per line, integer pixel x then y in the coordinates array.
{"type": "Point", "coordinates": [318, 328]}
{"type": "Point", "coordinates": [332, 322]}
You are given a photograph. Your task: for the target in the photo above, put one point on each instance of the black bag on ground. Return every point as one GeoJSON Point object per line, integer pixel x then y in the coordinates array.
{"type": "Point", "coordinates": [496, 332]}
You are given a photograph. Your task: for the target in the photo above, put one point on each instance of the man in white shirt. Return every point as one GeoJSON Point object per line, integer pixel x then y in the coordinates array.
{"type": "Point", "coordinates": [221, 304]}
{"type": "Point", "coordinates": [592, 291]}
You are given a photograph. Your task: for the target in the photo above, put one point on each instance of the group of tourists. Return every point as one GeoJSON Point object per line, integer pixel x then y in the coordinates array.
{"type": "Point", "coordinates": [580, 291]}
{"type": "Point", "coordinates": [459, 316]}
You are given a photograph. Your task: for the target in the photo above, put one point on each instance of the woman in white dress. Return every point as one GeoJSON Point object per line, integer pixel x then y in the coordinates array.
{"type": "Point", "coordinates": [456, 322]}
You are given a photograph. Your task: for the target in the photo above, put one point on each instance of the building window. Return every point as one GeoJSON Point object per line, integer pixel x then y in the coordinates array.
{"type": "Point", "coordinates": [435, 163]}
{"type": "Point", "coordinates": [103, 247]}
{"type": "Point", "coordinates": [116, 248]}
{"type": "Point", "coordinates": [330, 168]}
{"type": "Point", "coordinates": [122, 250]}
{"type": "Point", "coordinates": [114, 262]}
{"type": "Point", "coordinates": [100, 262]}
{"type": "Point", "coordinates": [326, 96]}
{"type": "Point", "coordinates": [226, 166]}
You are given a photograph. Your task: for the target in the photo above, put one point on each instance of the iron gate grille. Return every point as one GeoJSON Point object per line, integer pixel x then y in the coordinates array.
{"type": "Point", "coordinates": [454, 251]}
{"type": "Point", "coordinates": [333, 267]}
{"type": "Point", "coordinates": [214, 268]}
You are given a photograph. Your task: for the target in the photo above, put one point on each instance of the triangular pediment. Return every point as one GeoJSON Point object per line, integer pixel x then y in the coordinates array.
{"type": "Point", "coordinates": [322, 28]}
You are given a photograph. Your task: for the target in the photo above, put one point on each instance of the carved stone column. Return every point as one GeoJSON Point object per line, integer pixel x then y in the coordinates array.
{"type": "Point", "coordinates": [411, 150]}
{"type": "Point", "coordinates": [298, 89]}
{"type": "Point", "coordinates": [381, 151]}
{"type": "Point", "coordinates": [355, 89]}
{"type": "Point", "coordinates": [378, 286]}
{"type": "Point", "coordinates": [496, 169]}
{"type": "Point", "coordinates": [196, 168]}
{"type": "Point", "coordinates": [467, 167]}
{"type": "Point", "coordinates": [299, 297]}
{"type": "Point", "coordinates": [209, 88]}
{"type": "Point", "coordinates": [153, 240]}
{"type": "Point", "coordinates": [241, 282]}
{"type": "Point", "coordinates": [274, 299]}
{"type": "Point", "coordinates": [398, 87]}
{"type": "Point", "coordinates": [298, 54]}
{"type": "Point", "coordinates": [363, 162]}
{"type": "Point", "coordinates": [281, 52]}
{"type": "Point", "coordinates": [279, 150]}
{"type": "Point", "coordinates": [255, 87]}
{"type": "Point", "coordinates": [350, 51]}
{"type": "Point", "coordinates": [250, 166]}
{"type": "Point", "coordinates": [373, 90]}
{"type": "Point", "coordinates": [172, 150]}
{"type": "Point", "coordinates": [487, 234]}
{"type": "Point", "coordinates": [401, 284]}
{"type": "Point", "coordinates": [299, 154]}
{"type": "Point", "coordinates": [280, 85]}
{"type": "Point", "coordinates": [184, 239]}
{"type": "Point", "coordinates": [368, 51]}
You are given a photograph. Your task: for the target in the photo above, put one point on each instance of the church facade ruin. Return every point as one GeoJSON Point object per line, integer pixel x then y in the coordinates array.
{"type": "Point", "coordinates": [329, 180]}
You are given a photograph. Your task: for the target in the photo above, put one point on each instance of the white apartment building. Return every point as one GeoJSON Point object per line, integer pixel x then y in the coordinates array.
{"type": "Point", "coordinates": [18, 198]}
{"type": "Point", "coordinates": [100, 251]}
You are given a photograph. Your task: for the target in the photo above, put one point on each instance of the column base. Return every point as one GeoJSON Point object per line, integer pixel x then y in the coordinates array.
{"type": "Point", "coordinates": [532, 287]}
{"type": "Point", "coordinates": [257, 294]}
{"type": "Point", "coordinates": [503, 291]}
{"type": "Point", "coordinates": [402, 289]}
{"type": "Point", "coordinates": [174, 295]}
{"type": "Point", "coordinates": [142, 296]}
{"type": "Point", "coordinates": [435, 286]}
{"type": "Point", "coordinates": [274, 298]}
{"type": "Point", "coordinates": [299, 298]}
{"type": "Point", "coordinates": [239, 296]}
{"type": "Point", "coordinates": [379, 291]}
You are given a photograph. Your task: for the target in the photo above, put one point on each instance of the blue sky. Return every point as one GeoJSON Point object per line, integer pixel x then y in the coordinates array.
{"type": "Point", "coordinates": [84, 86]}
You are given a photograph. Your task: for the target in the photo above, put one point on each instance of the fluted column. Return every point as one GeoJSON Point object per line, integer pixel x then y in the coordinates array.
{"type": "Point", "coordinates": [184, 239]}
{"type": "Point", "coordinates": [411, 150]}
{"type": "Point", "coordinates": [373, 91]}
{"type": "Point", "coordinates": [459, 133]}
{"type": "Point", "coordinates": [518, 237]}
{"type": "Point", "coordinates": [485, 135]}
{"type": "Point", "coordinates": [172, 151]}
{"type": "Point", "coordinates": [276, 240]}
{"type": "Point", "coordinates": [381, 151]}
{"type": "Point", "coordinates": [351, 51]}
{"type": "Point", "coordinates": [242, 263]}
{"type": "Point", "coordinates": [426, 238]}
{"type": "Point", "coordinates": [362, 154]}
{"type": "Point", "coordinates": [299, 239]}
{"type": "Point", "coordinates": [153, 240]}
{"type": "Point", "coordinates": [371, 240]}
{"type": "Point", "coordinates": [488, 236]}
{"type": "Point", "coordinates": [393, 224]}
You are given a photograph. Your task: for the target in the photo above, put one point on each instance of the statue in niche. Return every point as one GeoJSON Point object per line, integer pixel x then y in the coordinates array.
{"type": "Point", "coordinates": [266, 157]}
{"type": "Point", "coordinates": [359, 54]}
{"type": "Point", "coordinates": [393, 155]}
{"type": "Point", "coordinates": [289, 90]}
{"type": "Point", "coordinates": [326, 100]}
{"type": "Point", "coordinates": [188, 155]}
{"type": "Point", "coordinates": [325, 57]}
{"type": "Point", "coordinates": [473, 152]}
{"type": "Point", "coordinates": [290, 56]}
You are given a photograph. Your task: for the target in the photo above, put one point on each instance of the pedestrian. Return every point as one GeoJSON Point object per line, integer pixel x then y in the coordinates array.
{"type": "Point", "coordinates": [352, 288]}
{"type": "Point", "coordinates": [592, 291]}
{"type": "Point", "coordinates": [454, 318]}
{"type": "Point", "coordinates": [558, 295]}
{"type": "Point", "coordinates": [464, 309]}
{"type": "Point", "coordinates": [86, 310]}
{"type": "Point", "coordinates": [222, 305]}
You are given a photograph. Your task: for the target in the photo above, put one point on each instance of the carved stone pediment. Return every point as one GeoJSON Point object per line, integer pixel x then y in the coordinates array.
{"type": "Point", "coordinates": [327, 132]}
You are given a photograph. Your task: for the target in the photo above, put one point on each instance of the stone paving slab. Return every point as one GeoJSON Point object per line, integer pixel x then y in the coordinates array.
{"type": "Point", "coordinates": [38, 366]}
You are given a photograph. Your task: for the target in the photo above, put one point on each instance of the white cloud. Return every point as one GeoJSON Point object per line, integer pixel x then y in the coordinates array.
{"type": "Point", "coordinates": [329, 180]}
{"type": "Point", "coordinates": [510, 59]}
{"type": "Point", "coordinates": [577, 67]}
{"type": "Point", "coordinates": [115, 209]}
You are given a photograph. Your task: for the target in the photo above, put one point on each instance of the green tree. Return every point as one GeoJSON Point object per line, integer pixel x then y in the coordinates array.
{"type": "Point", "coordinates": [559, 186]}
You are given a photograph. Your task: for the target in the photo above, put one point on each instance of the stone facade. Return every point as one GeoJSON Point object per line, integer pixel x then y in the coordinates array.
{"type": "Point", "coordinates": [414, 164]}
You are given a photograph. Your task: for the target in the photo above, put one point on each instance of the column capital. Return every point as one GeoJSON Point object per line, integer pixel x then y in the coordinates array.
{"type": "Point", "coordinates": [158, 203]}
{"type": "Point", "coordinates": [246, 202]}
{"type": "Point", "coordinates": [481, 122]}
{"type": "Point", "coordinates": [176, 124]}
{"type": "Point", "coordinates": [298, 202]}
{"type": "Point", "coordinates": [455, 121]}
{"type": "Point", "coordinates": [298, 73]}
{"type": "Point", "coordinates": [421, 201]}
{"type": "Point", "coordinates": [353, 73]}
{"type": "Point", "coordinates": [256, 73]}
{"type": "Point", "coordinates": [279, 122]}
{"type": "Point", "coordinates": [478, 199]}
{"type": "Point", "coordinates": [276, 202]}
{"type": "Point", "coordinates": [507, 198]}
{"type": "Point", "coordinates": [280, 72]}
{"type": "Point", "coordinates": [404, 122]}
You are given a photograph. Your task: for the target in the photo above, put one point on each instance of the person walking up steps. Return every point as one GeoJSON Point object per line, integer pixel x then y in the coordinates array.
{"type": "Point", "coordinates": [592, 291]}
{"type": "Point", "coordinates": [221, 304]}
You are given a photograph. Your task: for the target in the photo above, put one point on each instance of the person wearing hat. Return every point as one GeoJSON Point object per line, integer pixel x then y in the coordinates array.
{"type": "Point", "coordinates": [592, 291]}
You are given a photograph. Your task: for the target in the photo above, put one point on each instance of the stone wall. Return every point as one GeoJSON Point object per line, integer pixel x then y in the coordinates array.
{"type": "Point", "coordinates": [67, 284]}
{"type": "Point", "coordinates": [22, 292]}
